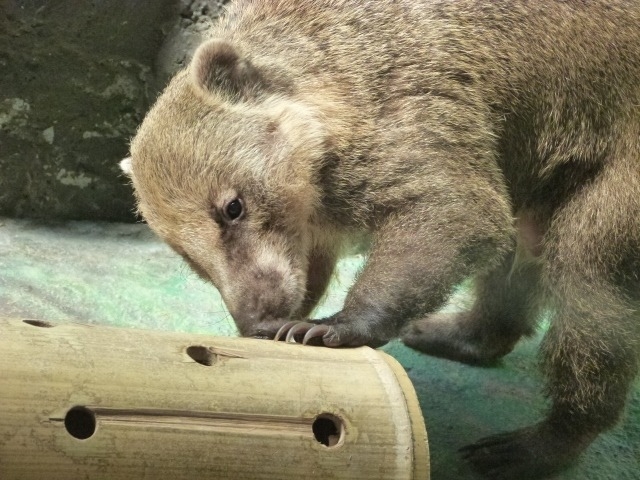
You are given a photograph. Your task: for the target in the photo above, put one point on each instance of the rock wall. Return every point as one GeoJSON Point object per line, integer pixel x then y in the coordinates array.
{"type": "Point", "coordinates": [76, 78]}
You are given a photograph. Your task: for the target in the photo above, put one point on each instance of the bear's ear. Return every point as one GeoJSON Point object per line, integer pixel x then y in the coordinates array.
{"type": "Point", "coordinates": [218, 67]}
{"type": "Point", "coordinates": [125, 166]}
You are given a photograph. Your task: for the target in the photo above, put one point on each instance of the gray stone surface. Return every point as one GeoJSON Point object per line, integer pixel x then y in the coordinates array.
{"type": "Point", "coordinates": [77, 79]}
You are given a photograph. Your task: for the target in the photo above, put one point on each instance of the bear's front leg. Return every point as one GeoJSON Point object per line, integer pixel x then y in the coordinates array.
{"type": "Point", "coordinates": [417, 256]}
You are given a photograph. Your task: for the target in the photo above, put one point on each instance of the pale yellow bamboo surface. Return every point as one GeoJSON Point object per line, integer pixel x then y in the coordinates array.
{"type": "Point", "coordinates": [150, 410]}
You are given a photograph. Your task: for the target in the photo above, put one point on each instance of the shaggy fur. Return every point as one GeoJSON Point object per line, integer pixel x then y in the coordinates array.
{"type": "Point", "coordinates": [499, 140]}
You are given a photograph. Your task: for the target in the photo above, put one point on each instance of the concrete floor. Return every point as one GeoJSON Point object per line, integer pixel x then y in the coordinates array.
{"type": "Point", "coordinates": [114, 274]}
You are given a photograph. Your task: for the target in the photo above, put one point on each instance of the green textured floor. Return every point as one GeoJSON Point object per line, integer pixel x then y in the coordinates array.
{"type": "Point", "coordinates": [114, 274]}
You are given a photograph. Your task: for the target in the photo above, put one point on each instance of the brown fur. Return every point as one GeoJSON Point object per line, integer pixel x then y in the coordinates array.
{"type": "Point", "coordinates": [499, 140]}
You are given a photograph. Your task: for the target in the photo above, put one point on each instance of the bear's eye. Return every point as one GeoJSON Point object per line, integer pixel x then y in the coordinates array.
{"type": "Point", "coordinates": [234, 209]}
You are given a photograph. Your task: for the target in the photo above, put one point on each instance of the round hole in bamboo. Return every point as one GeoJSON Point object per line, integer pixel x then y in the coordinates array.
{"type": "Point", "coordinates": [202, 355]}
{"type": "Point", "coordinates": [328, 429]}
{"type": "Point", "coordinates": [38, 323]}
{"type": "Point", "coordinates": [80, 422]}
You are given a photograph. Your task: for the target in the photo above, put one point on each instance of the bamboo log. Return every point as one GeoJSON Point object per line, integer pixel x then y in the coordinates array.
{"type": "Point", "coordinates": [89, 402]}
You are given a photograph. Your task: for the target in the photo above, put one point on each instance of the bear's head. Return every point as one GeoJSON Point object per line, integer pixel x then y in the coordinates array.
{"type": "Point", "coordinates": [225, 170]}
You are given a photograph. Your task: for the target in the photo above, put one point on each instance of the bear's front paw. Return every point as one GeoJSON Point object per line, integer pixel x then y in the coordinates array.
{"type": "Point", "coordinates": [306, 332]}
{"type": "Point", "coordinates": [329, 332]}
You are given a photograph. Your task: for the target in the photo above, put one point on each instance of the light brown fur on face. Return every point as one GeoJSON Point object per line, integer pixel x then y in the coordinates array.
{"type": "Point", "coordinates": [272, 246]}
{"type": "Point", "coordinates": [498, 140]}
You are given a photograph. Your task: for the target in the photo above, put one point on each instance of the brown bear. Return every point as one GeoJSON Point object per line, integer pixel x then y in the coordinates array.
{"type": "Point", "coordinates": [495, 140]}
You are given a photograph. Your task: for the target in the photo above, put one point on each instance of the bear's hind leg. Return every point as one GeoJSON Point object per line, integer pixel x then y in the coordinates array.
{"type": "Point", "coordinates": [590, 354]}
{"type": "Point", "coordinates": [505, 308]}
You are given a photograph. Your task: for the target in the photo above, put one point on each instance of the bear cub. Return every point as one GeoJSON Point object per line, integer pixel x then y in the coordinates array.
{"type": "Point", "coordinates": [493, 140]}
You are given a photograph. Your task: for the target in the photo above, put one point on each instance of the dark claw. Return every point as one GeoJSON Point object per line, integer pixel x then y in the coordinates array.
{"type": "Point", "coordinates": [311, 331]}
{"type": "Point", "coordinates": [314, 332]}
{"type": "Point", "coordinates": [299, 327]}
{"type": "Point", "coordinates": [284, 329]}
